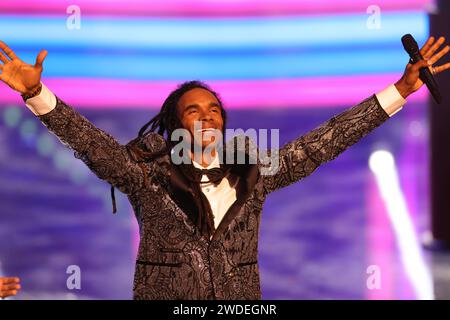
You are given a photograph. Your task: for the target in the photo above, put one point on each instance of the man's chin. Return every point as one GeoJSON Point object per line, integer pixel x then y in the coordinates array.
{"type": "Point", "coordinates": [205, 145]}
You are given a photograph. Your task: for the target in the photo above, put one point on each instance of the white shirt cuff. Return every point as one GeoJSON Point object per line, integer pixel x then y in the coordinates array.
{"type": "Point", "coordinates": [43, 103]}
{"type": "Point", "coordinates": [391, 100]}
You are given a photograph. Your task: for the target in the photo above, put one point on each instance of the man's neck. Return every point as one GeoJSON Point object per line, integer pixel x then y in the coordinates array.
{"type": "Point", "coordinates": [204, 160]}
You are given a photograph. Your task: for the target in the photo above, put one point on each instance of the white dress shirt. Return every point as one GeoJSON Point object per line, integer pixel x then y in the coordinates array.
{"type": "Point", "coordinates": [222, 196]}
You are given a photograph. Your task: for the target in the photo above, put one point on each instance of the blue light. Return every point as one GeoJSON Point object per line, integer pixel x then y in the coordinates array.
{"type": "Point", "coordinates": [45, 144]}
{"type": "Point", "coordinates": [210, 49]}
{"type": "Point", "coordinates": [12, 116]}
{"type": "Point", "coordinates": [181, 34]}
{"type": "Point", "coordinates": [207, 67]}
{"type": "Point", "coordinates": [28, 129]}
{"type": "Point", "coordinates": [62, 159]}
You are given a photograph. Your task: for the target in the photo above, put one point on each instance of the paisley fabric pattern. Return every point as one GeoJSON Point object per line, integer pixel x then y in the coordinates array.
{"type": "Point", "coordinates": [174, 260]}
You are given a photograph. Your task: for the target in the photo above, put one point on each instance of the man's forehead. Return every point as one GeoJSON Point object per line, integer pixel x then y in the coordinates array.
{"type": "Point", "coordinates": [199, 97]}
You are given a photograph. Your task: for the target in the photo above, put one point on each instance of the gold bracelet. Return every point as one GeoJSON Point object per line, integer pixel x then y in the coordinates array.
{"type": "Point", "coordinates": [34, 93]}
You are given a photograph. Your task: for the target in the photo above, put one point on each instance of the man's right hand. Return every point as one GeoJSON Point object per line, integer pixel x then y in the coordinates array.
{"type": "Point", "coordinates": [20, 76]}
{"type": "Point", "coordinates": [9, 287]}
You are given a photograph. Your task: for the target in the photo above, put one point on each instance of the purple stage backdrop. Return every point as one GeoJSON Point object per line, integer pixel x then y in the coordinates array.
{"type": "Point", "coordinates": [287, 65]}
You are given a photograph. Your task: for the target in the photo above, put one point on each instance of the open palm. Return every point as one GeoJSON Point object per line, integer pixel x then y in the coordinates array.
{"type": "Point", "coordinates": [20, 76]}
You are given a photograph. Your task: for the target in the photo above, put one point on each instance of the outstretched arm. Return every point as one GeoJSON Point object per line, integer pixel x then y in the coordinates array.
{"type": "Point", "coordinates": [301, 157]}
{"type": "Point", "coordinates": [108, 159]}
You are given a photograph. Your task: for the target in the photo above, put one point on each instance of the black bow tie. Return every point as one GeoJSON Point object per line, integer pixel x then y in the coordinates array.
{"type": "Point", "coordinates": [215, 175]}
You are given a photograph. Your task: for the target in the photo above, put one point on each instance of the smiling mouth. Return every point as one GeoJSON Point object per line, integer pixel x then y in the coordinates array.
{"type": "Point", "coordinates": [206, 130]}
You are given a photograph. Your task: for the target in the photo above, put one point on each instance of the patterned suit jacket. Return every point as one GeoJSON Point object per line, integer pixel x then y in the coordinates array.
{"type": "Point", "coordinates": [174, 261]}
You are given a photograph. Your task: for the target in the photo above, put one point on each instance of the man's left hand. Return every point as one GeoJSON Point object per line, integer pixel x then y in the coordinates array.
{"type": "Point", "coordinates": [410, 81]}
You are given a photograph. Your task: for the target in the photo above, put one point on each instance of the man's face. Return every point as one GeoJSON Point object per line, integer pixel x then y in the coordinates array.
{"type": "Point", "coordinates": [200, 105]}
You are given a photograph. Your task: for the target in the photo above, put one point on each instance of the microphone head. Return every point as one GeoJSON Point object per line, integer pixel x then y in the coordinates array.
{"type": "Point", "coordinates": [410, 44]}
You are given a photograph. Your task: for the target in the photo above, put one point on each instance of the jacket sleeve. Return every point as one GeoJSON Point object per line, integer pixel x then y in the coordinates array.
{"type": "Point", "coordinates": [301, 157]}
{"type": "Point", "coordinates": [108, 159]}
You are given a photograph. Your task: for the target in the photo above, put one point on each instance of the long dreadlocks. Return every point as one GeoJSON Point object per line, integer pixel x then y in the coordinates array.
{"type": "Point", "coordinates": [164, 123]}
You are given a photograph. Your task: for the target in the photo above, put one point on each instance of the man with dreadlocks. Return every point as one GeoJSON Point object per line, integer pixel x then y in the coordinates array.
{"type": "Point", "coordinates": [199, 221]}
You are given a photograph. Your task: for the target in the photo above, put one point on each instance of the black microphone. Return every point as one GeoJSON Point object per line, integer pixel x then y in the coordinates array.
{"type": "Point", "coordinates": [410, 45]}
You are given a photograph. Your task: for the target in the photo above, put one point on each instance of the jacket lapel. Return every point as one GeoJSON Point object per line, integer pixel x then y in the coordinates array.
{"type": "Point", "coordinates": [180, 191]}
{"type": "Point", "coordinates": [182, 194]}
{"type": "Point", "coordinates": [247, 176]}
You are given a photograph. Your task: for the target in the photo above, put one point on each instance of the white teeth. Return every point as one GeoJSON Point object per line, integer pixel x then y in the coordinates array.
{"type": "Point", "coordinates": [205, 130]}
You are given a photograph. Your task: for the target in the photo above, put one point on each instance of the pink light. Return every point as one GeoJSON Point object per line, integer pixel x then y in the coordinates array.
{"type": "Point", "coordinates": [206, 7]}
{"type": "Point", "coordinates": [274, 93]}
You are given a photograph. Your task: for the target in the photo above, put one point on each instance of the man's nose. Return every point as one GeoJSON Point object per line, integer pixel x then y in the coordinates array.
{"type": "Point", "coordinates": [205, 116]}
